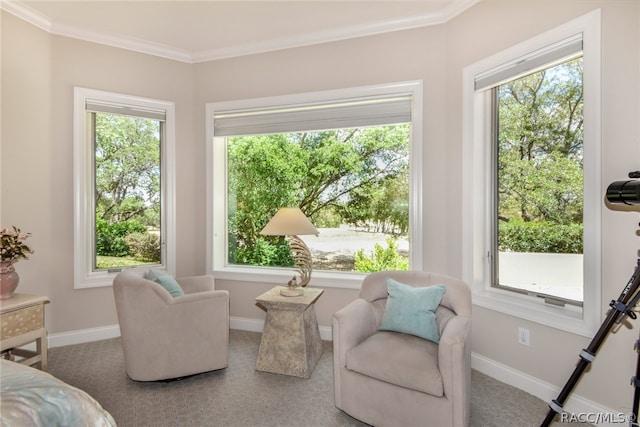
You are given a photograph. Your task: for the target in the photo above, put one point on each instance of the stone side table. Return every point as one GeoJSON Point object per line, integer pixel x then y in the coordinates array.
{"type": "Point", "coordinates": [290, 343]}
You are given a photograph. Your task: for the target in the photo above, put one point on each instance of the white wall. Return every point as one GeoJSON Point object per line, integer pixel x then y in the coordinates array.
{"type": "Point", "coordinates": [40, 70]}
{"type": "Point", "coordinates": [486, 29]}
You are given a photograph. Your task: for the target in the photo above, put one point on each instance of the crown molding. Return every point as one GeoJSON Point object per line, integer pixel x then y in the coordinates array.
{"type": "Point", "coordinates": [336, 34]}
{"type": "Point", "coordinates": [32, 16]}
{"type": "Point", "coordinates": [26, 13]}
{"type": "Point", "coordinates": [122, 42]}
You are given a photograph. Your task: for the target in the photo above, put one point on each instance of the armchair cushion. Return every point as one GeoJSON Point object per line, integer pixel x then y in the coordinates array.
{"type": "Point", "coordinates": [166, 281]}
{"type": "Point", "coordinates": [399, 359]}
{"type": "Point", "coordinates": [412, 310]}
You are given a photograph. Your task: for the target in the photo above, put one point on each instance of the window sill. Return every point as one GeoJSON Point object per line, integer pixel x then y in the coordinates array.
{"type": "Point", "coordinates": [567, 318]}
{"type": "Point", "coordinates": [319, 279]}
{"type": "Point", "coordinates": [95, 280]}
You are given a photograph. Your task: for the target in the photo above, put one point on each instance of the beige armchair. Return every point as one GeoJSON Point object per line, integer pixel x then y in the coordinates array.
{"type": "Point", "coordinates": [389, 378]}
{"type": "Point", "coordinates": [166, 337]}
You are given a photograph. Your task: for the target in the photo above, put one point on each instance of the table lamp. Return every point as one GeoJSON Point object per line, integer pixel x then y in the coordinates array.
{"type": "Point", "coordinates": [291, 222]}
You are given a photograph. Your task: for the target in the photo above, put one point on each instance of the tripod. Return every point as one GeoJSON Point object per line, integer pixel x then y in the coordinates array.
{"type": "Point", "coordinates": [621, 307]}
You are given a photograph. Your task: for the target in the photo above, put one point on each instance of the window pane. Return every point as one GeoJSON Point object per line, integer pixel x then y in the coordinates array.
{"type": "Point", "coordinates": [540, 182]}
{"type": "Point", "coordinates": [353, 184]}
{"type": "Point", "coordinates": [127, 190]}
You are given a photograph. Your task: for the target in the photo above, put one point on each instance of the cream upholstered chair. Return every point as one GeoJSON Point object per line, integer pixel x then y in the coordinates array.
{"type": "Point", "coordinates": [165, 337]}
{"type": "Point", "coordinates": [387, 378]}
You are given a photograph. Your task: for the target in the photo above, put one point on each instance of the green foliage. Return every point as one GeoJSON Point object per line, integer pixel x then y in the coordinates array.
{"type": "Point", "coordinates": [519, 236]}
{"type": "Point", "coordinates": [144, 246]}
{"type": "Point", "coordinates": [550, 189]}
{"type": "Point", "coordinates": [540, 142]}
{"type": "Point", "coordinates": [381, 259]}
{"type": "Point", "coordinates": [383, 207]}
{"type": "Point", "coordinates": [264, 174]}
{"type": "Point", "coordinates": [320, 172]}
{"type": "Point", "coordinates": [108, 262]}
{"type": "Point", "coordinates": [127, 169]}
{"type": "Point", "coordinates": [127, 181]}
{"type": "Point", "coordinates": [540, 170]}
{"type": "Point", "coordinates": [265, 252]}
{"type": "Point", "coordinates": [110, 238]}
{"type": "Point", "coordinates": [327, 218]}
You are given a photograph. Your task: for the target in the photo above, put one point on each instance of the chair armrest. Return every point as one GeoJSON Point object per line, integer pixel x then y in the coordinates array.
{"type": "Point", "coordinates": [201, 313]}
{"type": "Point", "coordinates": [201, 310]}
{"type": "Point", "coordinates": [196, 284]}
{"type": "Point", "coordinates": [454, 358]}
{"type": "Point", "coordinates": [205, 297]}
{"type": "Point", "coordinates": [353, 324]}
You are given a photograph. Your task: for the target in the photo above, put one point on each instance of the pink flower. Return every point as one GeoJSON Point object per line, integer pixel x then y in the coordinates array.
{"type": "Point", "coordinates": [12, 246]}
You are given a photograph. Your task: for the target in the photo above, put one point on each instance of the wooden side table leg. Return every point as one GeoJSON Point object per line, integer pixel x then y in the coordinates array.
{"type": "Point", "coordinates": [41, 349]}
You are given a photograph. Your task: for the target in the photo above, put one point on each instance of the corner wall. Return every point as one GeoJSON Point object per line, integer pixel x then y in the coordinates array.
{"type": "Point", "coordinates": [488, 28]}
{"type": "Point", "coordinates": [39, 72]}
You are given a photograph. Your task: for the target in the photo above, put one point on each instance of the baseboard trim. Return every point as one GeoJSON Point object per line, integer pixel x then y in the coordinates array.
{"type": "Point", "coordinates": [575, 404]}
{"type": "Point", "coordinates": [545, 391]}
{"type": "Point", "coordinates": [113, 331]}
{"type": "Point", "coordinates": [246, 324]}
{"type": "Point", "coordinates": [256, 325]}
{"type": "Point", "coordinates": [83, 335]}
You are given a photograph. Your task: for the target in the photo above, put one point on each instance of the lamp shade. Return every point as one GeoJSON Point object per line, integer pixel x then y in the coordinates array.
{"type": "Point", "coordinates": [289, 222]}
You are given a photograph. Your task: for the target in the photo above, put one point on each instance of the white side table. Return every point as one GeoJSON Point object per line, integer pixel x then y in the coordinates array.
{"type": "Point", "coordinates": [22, 323]}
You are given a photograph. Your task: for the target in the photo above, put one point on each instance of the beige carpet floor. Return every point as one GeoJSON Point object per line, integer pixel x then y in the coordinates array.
{"type": "Point", "coordinates": [241, 396]}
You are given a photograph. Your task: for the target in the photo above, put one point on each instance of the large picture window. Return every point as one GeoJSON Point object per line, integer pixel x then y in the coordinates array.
{"type": "Point", "coordinates": [122, 184]}
{"type": "Point", "coordinates": [532, 202]}
{"type": "Point", "coordinates": [345, 161]}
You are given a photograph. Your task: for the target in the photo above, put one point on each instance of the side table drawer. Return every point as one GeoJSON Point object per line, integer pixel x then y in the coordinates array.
{"type": "Point", "coordinates": [15, 323]}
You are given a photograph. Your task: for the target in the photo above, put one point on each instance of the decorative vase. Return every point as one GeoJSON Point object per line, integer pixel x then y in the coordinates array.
{"type": "Point", "coordinates": [8, 279]}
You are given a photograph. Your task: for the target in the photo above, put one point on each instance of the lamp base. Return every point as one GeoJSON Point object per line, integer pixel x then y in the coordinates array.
{"type": "Point", "coordinates": [291, 292]}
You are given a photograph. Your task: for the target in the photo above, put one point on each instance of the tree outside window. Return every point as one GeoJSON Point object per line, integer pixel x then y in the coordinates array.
{"type": "Point", "coordinates": [354, 179]}
{"type": "Point", "coordinates": [540, 181]}
{"type": "Point", "coordinates": [127, 190]}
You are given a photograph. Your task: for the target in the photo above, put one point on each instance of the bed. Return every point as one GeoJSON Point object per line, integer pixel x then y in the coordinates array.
{"type": "Point", "coordinates": [30, 397]}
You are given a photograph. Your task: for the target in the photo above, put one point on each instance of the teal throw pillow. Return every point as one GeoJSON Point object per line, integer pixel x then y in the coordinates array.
{"type": "Point", "coordinates": [412, 310]}
{"type": "Point", "coordinates": [166, 281]}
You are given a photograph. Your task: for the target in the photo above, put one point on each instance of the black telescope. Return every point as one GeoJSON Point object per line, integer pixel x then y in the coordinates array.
{"type": "Point", "coordinates": [624, 192]}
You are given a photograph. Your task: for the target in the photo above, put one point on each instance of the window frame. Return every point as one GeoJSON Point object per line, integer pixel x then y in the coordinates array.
{"type": "Point", "coordinates": [478, 189]}
{"type": "Point", "coordinates": [216, 252]}
{"type": "Point", "coordinates": [84, 186]}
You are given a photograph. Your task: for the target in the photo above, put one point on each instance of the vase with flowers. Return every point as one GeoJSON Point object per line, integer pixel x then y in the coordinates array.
{"type": "Point", "coordinates": [12, 250]}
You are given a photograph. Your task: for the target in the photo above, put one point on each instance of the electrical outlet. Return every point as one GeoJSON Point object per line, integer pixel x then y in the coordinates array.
{"type": "Point", "coordinates": [523, 336]}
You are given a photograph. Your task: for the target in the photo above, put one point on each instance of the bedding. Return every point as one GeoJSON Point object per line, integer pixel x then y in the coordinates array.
{"type": "Point", "coordinates": [30, 397]}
